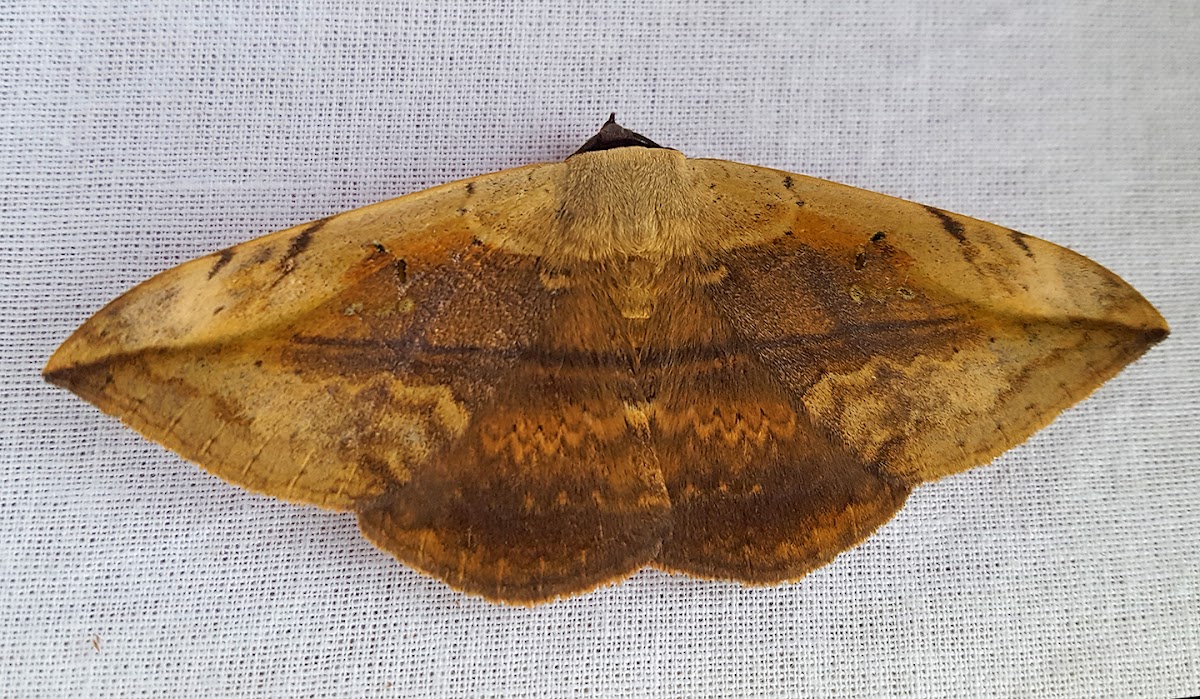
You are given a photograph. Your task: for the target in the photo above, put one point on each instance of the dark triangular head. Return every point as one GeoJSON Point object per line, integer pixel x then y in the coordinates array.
{"type": "Point", "coordinates": [613, 135]}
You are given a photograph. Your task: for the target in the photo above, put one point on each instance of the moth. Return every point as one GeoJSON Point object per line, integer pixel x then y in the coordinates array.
{"type": "Point", "coordinates": [535, 382]}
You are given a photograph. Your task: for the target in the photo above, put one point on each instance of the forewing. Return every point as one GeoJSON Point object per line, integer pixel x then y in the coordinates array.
{"type": "Point", "coordinates": [926, 341]}
{"type": "Point", "coordinates": [402, 362]}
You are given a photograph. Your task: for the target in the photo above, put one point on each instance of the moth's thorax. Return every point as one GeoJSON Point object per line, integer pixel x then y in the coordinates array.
{"type": "Point", "coordinates": [625, 202]}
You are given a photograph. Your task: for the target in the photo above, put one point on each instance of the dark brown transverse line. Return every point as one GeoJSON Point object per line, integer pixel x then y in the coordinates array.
{"type": "Point", "coordinates": [416, 348]}
{"type": "Point", "coordinates": [952, 226]}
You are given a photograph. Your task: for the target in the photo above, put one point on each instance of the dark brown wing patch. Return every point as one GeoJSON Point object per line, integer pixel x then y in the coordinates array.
{"type": "Point", "coordinates": [759, 493]}
{"type": "Point", "coordinates": [551, 487]}
{"type": "Point", "coordinates": [552, 490]}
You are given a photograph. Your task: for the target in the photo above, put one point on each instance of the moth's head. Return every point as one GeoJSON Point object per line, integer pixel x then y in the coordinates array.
{"type": "Point", "coordinates": [618, 164]}
{"type": "Point", "coordinates": [612, 135]}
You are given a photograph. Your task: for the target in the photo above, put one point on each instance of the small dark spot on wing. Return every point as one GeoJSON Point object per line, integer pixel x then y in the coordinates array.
{"type": "Point", "coordinates": [878, 236]}
{"type": "Point", "coordinates": [1019, 240]}
{"type": "Point", "coordinates": [260, 257]}
{"type": "Point", "coordinates": [470, 188]}
{"type": "Point", "coordinates": [298, 244]}
{"type": "Point", "coordinates": [952, 226]}
{"type": "Point", "coordinates": [860, 261]}
{"type": "Point", "coordinates": [787, 181]}
{"type": "Point", "coordinates": [223, 259]}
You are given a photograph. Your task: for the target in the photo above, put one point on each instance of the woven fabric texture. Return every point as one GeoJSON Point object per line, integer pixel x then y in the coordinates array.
{"type": "Point", "coordinates": [135, 135]}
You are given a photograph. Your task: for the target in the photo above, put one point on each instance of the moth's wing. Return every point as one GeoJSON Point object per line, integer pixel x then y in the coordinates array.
{"type": "Point", "coordinates": [207, 332]}
{"type": "Point", "coordinates": [929, 342]}
{"type": "Point", "coordinates": [908, 343]}
{"type": "Point", "coordinates": [759, 491]}
{"type": "Point", "coordinates": [407, 361]}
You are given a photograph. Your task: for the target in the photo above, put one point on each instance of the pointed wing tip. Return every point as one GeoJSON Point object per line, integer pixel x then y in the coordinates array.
{"type": "Point", "coordinates": [82, 380]}
{"type": "Point", "coordinates": [1150, 336]}
{"type": "Point", "coordinates": [58, 369]}
{"type": "Point", "coordinates": [83, 365]}
{"type": "Point", "coordinates": [92, 348]}
{"type": "Point", "coordinates": [57, 376]}
{"type": "Point", "coordinates": [1150, 325]}
{"type": "Point", "coordinates": [1157, 334]}
{"type": "Point", "coordinates": [1159, 330]}
{"type": "Point", "coordinates": [63, 367]}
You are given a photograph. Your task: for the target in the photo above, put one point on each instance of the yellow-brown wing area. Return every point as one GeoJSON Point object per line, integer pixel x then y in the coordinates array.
{"type": "Point", "coordinates": [873, 344]}
{"type": "Point", "coordinates": [469, 405]}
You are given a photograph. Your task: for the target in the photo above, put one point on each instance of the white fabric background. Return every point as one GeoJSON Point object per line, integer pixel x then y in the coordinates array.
{"type": "Point", "coordinates": [137, 135]}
